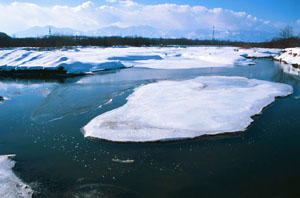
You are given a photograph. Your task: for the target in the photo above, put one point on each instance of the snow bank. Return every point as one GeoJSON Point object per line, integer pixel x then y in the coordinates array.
{"type": "Point", "coordinates": [10, 185]}
{"type": "Point", "coordinates": [169, 110]}
{"type": "Point", "coordinates": [87, 60]}
{"type": "Point", "coordinates": [83, 61]}
{"type": "Point", "coordinates": [291, 56]}
{"type": "Point", "coordinates": [196, 57]}
{"type": "Point", "coordinates": [260, 52]}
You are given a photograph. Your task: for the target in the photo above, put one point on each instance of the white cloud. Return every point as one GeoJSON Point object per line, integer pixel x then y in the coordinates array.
{"type": "Point", "coordinates": [128, 3]}
{"type": "Point", "coordinates": [19, 16]}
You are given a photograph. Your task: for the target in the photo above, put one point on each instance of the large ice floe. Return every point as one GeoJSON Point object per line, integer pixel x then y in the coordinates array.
{"type": "Point", "coordinates": [93, 59]}
{"type": "Point", "coordinates": [169, 110]}
{"type": "Point", "coordinates": [291, 58]}
{"type": "Point", "coordinates": [10, 185]}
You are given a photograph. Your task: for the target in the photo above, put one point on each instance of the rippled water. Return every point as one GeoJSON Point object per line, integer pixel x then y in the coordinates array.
{"type": "Point", "coordinates": [42, 120]}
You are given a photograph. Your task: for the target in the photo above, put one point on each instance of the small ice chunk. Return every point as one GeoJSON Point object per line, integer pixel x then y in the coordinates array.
{"type": "Point", "coordinates": [127, 161]}
{"type": "Point", "coordinates": [109, 101]}
{"type": "Point", "coordinates": [2, 99]}
{"type": "Point", "coordinates": [169, 110]}
{"type": "Point", "coordinates": [10, 185]}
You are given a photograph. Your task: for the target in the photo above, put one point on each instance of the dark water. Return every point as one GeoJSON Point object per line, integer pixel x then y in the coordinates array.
{"type": "Point", "coordinates": [42, 120]}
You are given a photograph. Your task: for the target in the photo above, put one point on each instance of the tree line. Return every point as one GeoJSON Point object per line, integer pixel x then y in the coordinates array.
{"type": "Point", "coordinates": [285, 39]}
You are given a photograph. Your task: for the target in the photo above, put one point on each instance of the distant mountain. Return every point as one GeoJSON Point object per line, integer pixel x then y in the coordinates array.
{"type": "Point", "coordinates": [148, 31]}
{"type": "Point", "coordinates": [38, 31]}
{"type": "Point", "coordinates": [247, 36]}
{"type": "Point", "coordinates": [145, 31]}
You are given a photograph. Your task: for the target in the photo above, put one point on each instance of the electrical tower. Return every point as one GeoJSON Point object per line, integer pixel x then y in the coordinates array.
{"type": "Point", "coordinates": [213, 33]}
{"type": "Point", "coordinates": [49, 31]}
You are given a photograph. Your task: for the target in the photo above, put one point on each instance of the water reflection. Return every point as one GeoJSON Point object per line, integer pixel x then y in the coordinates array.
{"type": "Point", "coordinates": [15, 88]}
{"type": "Point", "coordinates": [73, 99]}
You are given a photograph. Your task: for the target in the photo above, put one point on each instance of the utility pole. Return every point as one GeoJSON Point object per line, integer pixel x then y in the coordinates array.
{"type": "Point", "coordinates": [213, 33]}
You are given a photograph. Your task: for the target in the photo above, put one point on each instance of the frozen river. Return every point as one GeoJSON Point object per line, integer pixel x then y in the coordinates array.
{"type": "Point", "coordinates": [41, 122]}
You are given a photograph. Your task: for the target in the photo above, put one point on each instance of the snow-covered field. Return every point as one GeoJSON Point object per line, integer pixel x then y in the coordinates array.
{"type": "Point", "coordinates": [10, 185]}
{"type": "Point", "coordinates": [291, 56]}
{"type": "Point", "coordinates": [169, 110]}
{"type": "Point", "coordinates": [92, 59]}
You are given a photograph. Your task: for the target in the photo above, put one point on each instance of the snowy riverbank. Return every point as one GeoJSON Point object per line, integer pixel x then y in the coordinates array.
{"type": "Point", "coordinates": [291, 58]}
{"type": "Point", "coordinates": [93, 59]}
{"type": "Point", "coordinates": [10, 185]}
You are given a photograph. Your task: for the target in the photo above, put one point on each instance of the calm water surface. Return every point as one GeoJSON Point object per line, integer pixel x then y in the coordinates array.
{"type": "Point", "coordinates": [42, 121]}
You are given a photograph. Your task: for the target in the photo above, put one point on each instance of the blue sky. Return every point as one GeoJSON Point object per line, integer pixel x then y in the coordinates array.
{"type": "Point", "coordinates": [274, 10]}
{"type": "Point", "coordinates": [188, 18]}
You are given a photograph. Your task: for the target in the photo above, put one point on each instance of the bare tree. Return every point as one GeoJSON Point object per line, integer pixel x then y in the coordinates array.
{"type": "Point", "coordinates": [286, 32]}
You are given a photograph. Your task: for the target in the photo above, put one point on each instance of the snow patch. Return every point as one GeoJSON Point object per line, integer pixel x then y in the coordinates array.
{"type": "Point", "coordinates": [260, 52]}
{"type": "Point", "coordinates": [10, 185]}
{"type": "Point", "coordinates": [169, 110]}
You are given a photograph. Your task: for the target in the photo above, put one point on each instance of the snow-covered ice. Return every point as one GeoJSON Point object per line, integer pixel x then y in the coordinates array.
{"type": "Point", "coordinates": [85, 60]}
{"type": "Point", "coordinates": [10, 185]}
{"type": "Point", "coordinates": [291, 58]}
{"type": "Point", "coordinates": [169, 110]}
{"type": "Point", "coordinates": [260, 52]}
{"type": "Point", "coordinates": [92, 59]}
{"type": "Point", "coordinates": [195, 57]}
